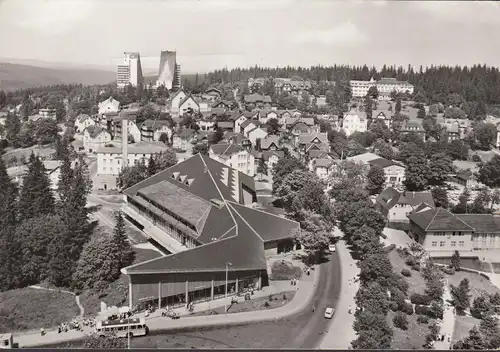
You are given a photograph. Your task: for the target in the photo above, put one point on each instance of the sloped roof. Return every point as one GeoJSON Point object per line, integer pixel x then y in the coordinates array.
{"type": "Point", "coordinates": [267, 141]}
{"type": "Point", "coordinates": [254, 98]}
{"type": "Point", "coordinates": [485, 223]}
{"type": "Point", "coordinates": [439, 219]}
{"type": "Point", "coordinates": [309, 138]}
{"type": "Point", "coordinates": [225, 124]}
{"type": "Point", "coordinates": [189, 96]}
{"type": "Point", "coordinates": [389, 197]}
{"type": "Point", "coordinates": [155, 124]}
{"type": "Point", "coordinates": [83, 117]}
{"type": "Point", "coordinates": [226, 149]}
{"type": "Point", "coordinates": [246, 123]}
{"type": "Point", "coordinates": [323, 162]}
{"type": "Point", "coordinates": [233, 233]}
{"type": "Point", "coordinates": [378, 114]}
{"type": "Point", "coordinates": [95, 130]}
{"type": "Point", "coordinates": [266, 154]}
{"type": "Point", "coordinates": [383, 163]}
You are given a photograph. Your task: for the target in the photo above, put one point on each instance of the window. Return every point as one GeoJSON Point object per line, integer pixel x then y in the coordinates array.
{"type": "Point", "coordinates": [461, 243]}
{"type": "Point", "coordinates": [453, 243]}
{"type": "Point", "coordinates": [434, 243]}
{"type": "Point", "coordinates": [441, 244]}
{"type": "Point", "coordinates": [104, 169]}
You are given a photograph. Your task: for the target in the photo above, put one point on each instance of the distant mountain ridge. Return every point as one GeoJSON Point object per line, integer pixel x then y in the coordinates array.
{"type": "Point", "coordinates": [19, 76]}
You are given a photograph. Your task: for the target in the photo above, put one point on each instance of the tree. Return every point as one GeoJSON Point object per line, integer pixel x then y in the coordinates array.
{"type": "Point", "coordinates": [457, 150]}
{"type": "Point", "coordinates": [46, 131]}
{"type": "Point", "coordinates": [36, 196]}
{"type": "Point", "coordinates": [292, 185]}
{"type": "Point", "coordinates": [480, 205]}
{"type": "Point", "coordinates": [489, 172]}
{"type": "Point", "coordinates": [461, 295]}
{"type": "Point", "coordinates": [421, 112]}
{"type": "Point", "coordinates": [454, 113]}
{"type": "Point", "coordinates": [383, 149]}
{"type": "Point", "coordinates": [474, 341]}
{"type": "Point", "coordinates": [200, 148]}
{"type": "Point", "coordinates": [373, 331]}
{"type": "Point", "coordinates": [164, 138]}
{"type": "Point", "coordinates": [368, 106]}
{"type": "Point", "coordinates": [373, 92]}
{"type": "Point", "coordinates": [397, 109]}
{"type": "Point", "coordinates": [365, 240]}
{"type": "Point", "coordinates": [376, 268]}
{"type": "Point", "coordinates": [152, 169]}
{"type": "Point", "coordinates": [482, 307]}
{"type": "Point", "coordinates": [485, 135]}
{"type": "Point", "coordinates": [488, 327]}
{"type": "Point", "coordinates": [273, 126]}
{"type": "Point", "coordinates": [97, 264]}
{"type": "Point", "coordinates": [463, 202]}
{"type": "Point", "coordinates": [455, 261]}
{"type": "Point", "coordinates": [380, 130]}
{"type": "Point", "coordinates": [132, 175]}
{"type": "Point", "coordinates": [416, 173]}
{"type": "Point", "coordinates": [165, 159]}
{"type": "Point", "coordinates": [125, 252]}
{"type": "Point", "coordinates": [282, 168]}
{"type": "Point", "coordinates": [217, 136]}
{"type": "Point", "coordinates": [373, 297]}
{"type": "Point", "coordinates": [440, 167]}
{"type": "Point", "coordinates": [440, 196]}
{"type": "Point", "coordinates": [376, 180]}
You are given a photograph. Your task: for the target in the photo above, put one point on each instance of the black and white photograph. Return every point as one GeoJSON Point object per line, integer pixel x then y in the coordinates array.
{"type": "Point", "coordinates": [250, 174]}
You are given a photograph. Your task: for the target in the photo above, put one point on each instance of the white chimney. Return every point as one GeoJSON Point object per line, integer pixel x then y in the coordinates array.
{"type": "Point", "coordinates": [124, 142]}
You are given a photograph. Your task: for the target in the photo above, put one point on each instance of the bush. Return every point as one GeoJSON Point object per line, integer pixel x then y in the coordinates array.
{"type": "Point", "coordinates": [284, 297]}
{"type": "Point", "coordinates": [421, 310]}
{"type": "Point", "coordinates": [406, 272]}
{"type": "Point", "coordinates": [407, 308]}
{"type": "Point", "coordinates": [476, 158]}
{"type": "Point", "coordinates": [400, 321]}
{"type": "Point", "coordinates": [423, 319]}
{"type": "Point", "coordinates": [485, 276]}
{"type": "Point", "coordinates": [283, 270]}
{"type": "Point", "coordinates": [416, 267]}
{"type": "Point", "coordinates": [436, 310]}
{"type": "Point", "coordinates": [266, 304]}
{"type": "Point", "coordinates": [411, 261]}
{"type": "Point", "coordinates": [448, 270]}
{"type": "Point", "coordinates": [423, 300]}
{"type": "Point", "coordinates": [394, 306]}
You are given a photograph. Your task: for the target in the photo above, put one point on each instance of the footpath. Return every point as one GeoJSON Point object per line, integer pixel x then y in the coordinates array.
{"type": "Point", "coordinates": [306, 288]}
{"type": "Point", "coordinates": [448, 322]}
{"type": "Point", "coordinates": [340, 333]}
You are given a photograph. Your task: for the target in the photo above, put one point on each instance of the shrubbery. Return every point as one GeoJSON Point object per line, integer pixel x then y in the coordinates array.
{"type": "Point", "coordinates": [423, 319]}
{"type": "Point", "coordinates": [400, 321]}
{"type": "Point", "coordinates": [406, 308]}
{"type": "Point", "coordinates": [406, 272]}
{"type": "Point", "coordinates": [411, 261]}
{"type": "Point", "coordinates": [423, 300]}
{"type": "Point", "coordinates": [448, 270]}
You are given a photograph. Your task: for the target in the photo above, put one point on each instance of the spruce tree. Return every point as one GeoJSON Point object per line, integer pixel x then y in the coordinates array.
{"type": "Point", "coordinates": [121, 245]}
{"type": "Point", "coordinates": [36, 196]}
{"type": "Point", "coordinates": [65, 183]}
{"type": "Point", "coordinates": [151, 166]}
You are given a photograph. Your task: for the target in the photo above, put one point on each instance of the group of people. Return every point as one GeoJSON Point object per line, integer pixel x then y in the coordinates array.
{"type": "Point", "coordinates": [293, 282]}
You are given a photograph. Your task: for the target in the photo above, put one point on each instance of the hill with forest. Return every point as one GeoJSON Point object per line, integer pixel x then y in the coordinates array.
{"type": "Point", "coordinates": [18, 76]}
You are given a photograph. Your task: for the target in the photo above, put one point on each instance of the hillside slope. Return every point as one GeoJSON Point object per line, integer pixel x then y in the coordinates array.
{"type": "Point", "coordinates": [15, 76]}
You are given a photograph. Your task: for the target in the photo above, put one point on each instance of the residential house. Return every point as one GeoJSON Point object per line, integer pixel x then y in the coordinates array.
{"type": "Point", "coordinates": [188, 104]}
{"type": "Point", "coordinates": [453, 132]}
{"type": "Point", "coordinates": [413, 126]}
{"type": "Point", "coordinates": [465, 178]}
{"type": "Point", "coordinates": [364, 158]}
{"type": "Point", "coordinates": [183, 140]}
{"type": "Point", "coordinates": [227, 105]}
{"type": "Point", "coordinates": [394, 172]}
{"type": "Point", "coordinates": [133, 131]}
{"type": "Point", "coordinates": [212, 94]}
{"type": "Point", "coordinates": [225, 125]}
{"type": "Point", "coordinates": [321, 101]}
{"type": "Point", "coordinates": [270, 142]}
{"type": "Point", "coordinates": [176, 99]}
{"type": "Point", "coordinates": [233, 156]}
{"type": "Point", "coordinates": [271, 158]}
{"type": "Point", "coordinates": [95, 137]}
{"type": "Point", "coordinates": [396, 206]}
{"type": "Point", "coordinates": [441, 233]}
{"type": "Point", "coordinates": [238, 139]}
{"type": "Point", "coordinates": [151, 130]}
{"type": "Point", "coordinates": [207, 125]}
{"type": "Point", "coordinates": [385, 116]}
{"type": "Point", "coordinates": [257, 100]}
{"type": "Point", "coordinates": [248, 125]}
{"type": "Point", "coordinates": [107, 106]}
{"type": "Point", "coordinates": [106, 120]}
{"type": "Point", "coordinates": [256, 134]}
{"type": "Point", "coordinates": [313, 141]}
{"type": "Point", "coordinates": [82, 122]}
{"type": "Point", "coordinates": [323, 167]}
{"type": "Point", "coordinates": [266, 114]}
{"type": "Point", "coordinates": [47, 113]}
{"type": "Point", "coordinates": [354, 121]}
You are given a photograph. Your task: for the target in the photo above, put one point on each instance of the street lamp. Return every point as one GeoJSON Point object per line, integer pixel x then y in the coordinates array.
{"type": "Point", "coordinates": [225, 299]}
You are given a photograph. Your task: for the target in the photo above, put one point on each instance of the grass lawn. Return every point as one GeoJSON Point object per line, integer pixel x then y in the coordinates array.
{"type": "Point", "coordinates": [469, 263]}
{"type": "Point", "coordinates": [117, 292]}
{"type": "Point", "coordinates": [278, 300]}
{"type": "Point", "coordinates": [284, 270]}
{"type": "Point", "coordinates": [477, 283]}
{"type": "Point", "coordinates": [415, 281]}
{"type": "Point", "coordinates": [463, 324]}
{"type": "Point", "coordinates": [18, 152]}
{"type": "Point", "coordinates": [28, 308]}
{"type": "Point", "coordinates": [413, 338]}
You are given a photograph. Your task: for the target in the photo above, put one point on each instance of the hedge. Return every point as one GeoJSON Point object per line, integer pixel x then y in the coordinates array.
{"type": "Point", "coordinates": [422, 300]}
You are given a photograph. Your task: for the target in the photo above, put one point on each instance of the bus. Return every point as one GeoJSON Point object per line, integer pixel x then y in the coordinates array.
{"type": "Point", "coordinates": [122, 328]}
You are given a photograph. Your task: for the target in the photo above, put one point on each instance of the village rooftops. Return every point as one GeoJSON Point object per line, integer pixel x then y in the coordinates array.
{"type": "Point", "coordinates": [390, 197]}
{"type": "Point", "coordinates": [256, 98]}
{"type": "Point", "coordinates": [439, 219]}
{"type": "Point", "coordinates": [383, 163]}
{"type": "Point", "coordinates": [226, 149]}
{"type": "Point", "coordinates": [94, 131]}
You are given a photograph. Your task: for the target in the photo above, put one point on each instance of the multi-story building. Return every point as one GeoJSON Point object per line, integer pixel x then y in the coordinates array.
{"type": "Point", "coordinates": [354, 121]}
{"type": "Point", "coordinates": [109, 105]}
{"type": "Point", "coordinates": [130, 72]}
{"type": "Point", "coordinates": [170, 71]}
{"type": "Point", "coordinates": [396, 206]}
{"type": "Point", "coordinates": [441, 233]}
{"type": "Point", "coordinates": [200, 211]}
{"type": "Point", "coordinates": [384, 86]}
{"type": "Point", "coordinates": [233, 156]}
{"type": "Point", "coordinates": [151, 130]}
{"type": "Point", "coordinates": [82, 122]}
{"type": "Point", "coordinates": [95, 137]}
{"type": "Point", "coordinates": [394, 172]}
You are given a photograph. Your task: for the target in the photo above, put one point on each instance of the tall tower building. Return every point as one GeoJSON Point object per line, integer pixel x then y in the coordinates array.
{"type": "Point", "coordinates": [169, 72]}
{"type": "Point", "coordinates": [130, 72]}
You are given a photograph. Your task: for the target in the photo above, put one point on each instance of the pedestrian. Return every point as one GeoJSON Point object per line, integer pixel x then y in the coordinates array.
{"type": "Point", "coordinates": [314, 309]}
{"type": "Point", "coordinates": [291, 281]}
{"type": "Point", "coordinates": [42, 331]}
{"type": "Point", "coordinates": [350, 309]}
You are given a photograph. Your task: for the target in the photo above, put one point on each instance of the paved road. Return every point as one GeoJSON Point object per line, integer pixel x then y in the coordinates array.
{"type": "Point", "coordinates": [309, 327]}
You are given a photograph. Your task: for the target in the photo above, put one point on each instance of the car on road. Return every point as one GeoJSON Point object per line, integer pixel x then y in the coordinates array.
{"type": "Point", "coordinates": [329, 313]}
{"type": "Point", "coordinates": [332, 248]}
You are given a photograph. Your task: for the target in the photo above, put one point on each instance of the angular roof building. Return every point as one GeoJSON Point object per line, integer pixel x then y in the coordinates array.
{"type": "Point", "coordinates": [200, 211]}
{"type": "Point", "coordinates": [169, 74]}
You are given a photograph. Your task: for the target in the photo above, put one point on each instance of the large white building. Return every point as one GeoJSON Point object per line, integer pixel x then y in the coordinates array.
{"type": "Point", "coordinates": [385, 85]}
{"type": "Point", "coordinates": [354, 121]}
{"type": "Point", "coordinates": [169, 74]}
{"type": "Point", "coordinates": [130, 72]}
{"type": "Point", "coordinates": [233, 156]}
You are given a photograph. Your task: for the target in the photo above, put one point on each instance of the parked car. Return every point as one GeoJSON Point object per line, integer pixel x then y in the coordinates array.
{"type": "Point", "coordinates": [329, 313]}
{"type": "Point", "coordinates": [332, 248]}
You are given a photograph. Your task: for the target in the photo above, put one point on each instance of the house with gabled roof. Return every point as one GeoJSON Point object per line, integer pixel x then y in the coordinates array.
{"type": "Point", "coordinates": [257, 100]}
{"type": "Point", "coordinates": [267, 114]}
{"type": "Point", "coordinates": [255, 134]}
{"type": "Point", "coordinates": [108, 105]}
{"type": "Point", "coordinates": [312, 141]}
{"type": "Point", "coordinates": [394, 172]}
{"type": "Point", "coordinates": [386, 116]}
{"type": "Point", "coordinates": [233, 155]}
{"type": "Point", "coordinates": [184, 139]}
{"type": "Point", "coordinates": [323, 167]}
{"type": "Point", "coordinates": [188, 104]}
{"type": "Point", "coordinates": [396, 206]}
{"type": "Point", "coordinates": [227, 105]}
{"type": "Point", "coordinates": [225, 125]}
{"type": "Point", "coordinates": [200, 211]}
{"type": "Point", "coordinates": [82, 122]}
{"type": "Point", "coordinates": [270, 142]}
{"type": "Point", "coordinates": [151, 130]}
{"type": "Point", "coordinates": [354, 121]}
{"type": "Point", "coordinates": [238, 139]}
{"type": "Point", "coordinates": [95, 137]}
{"type": "Point", "coordinates": [441, 233]}
{"type": "Point", "coordinates": [413, 126]}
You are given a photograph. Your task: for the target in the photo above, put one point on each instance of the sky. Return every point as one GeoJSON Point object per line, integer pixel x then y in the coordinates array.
{"type": "Point", "coordinates": [213, 34]}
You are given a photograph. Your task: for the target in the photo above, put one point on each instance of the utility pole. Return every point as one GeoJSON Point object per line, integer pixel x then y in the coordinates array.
{"type": "Point", "coordinates": [225, 298]}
